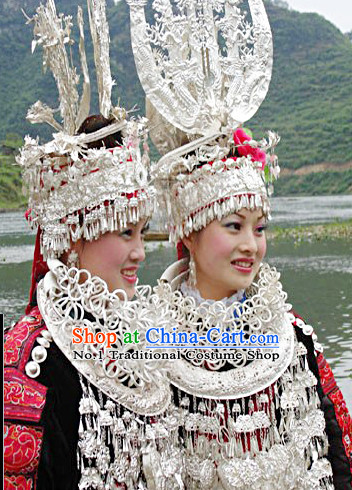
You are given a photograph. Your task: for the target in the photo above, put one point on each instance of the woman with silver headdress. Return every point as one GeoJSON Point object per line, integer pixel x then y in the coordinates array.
{"type": "Point", "coordinates": [255, 401]}
{"type": "Point", "coordinates": [90, 198]}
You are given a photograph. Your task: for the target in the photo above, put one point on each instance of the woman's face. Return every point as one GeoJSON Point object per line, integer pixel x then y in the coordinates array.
{"type": "Point", "coordinates": [115, 257]}
{"type": "Point", "coordinates": [228, 253]}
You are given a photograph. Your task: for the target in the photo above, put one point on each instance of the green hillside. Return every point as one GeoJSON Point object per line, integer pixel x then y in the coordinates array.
{"type": "Point", "coordinates": [309, 101]}
{"type": "Point", "coordinates": [310, 97]}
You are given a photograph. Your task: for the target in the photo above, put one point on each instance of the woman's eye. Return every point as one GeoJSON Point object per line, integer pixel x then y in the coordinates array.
{"type": "Point", "coordinates": [126, 233]}
{"type": "Point", "coordinates": [261, 228]}
{"type": "Point", "coordinates": [233, 226]}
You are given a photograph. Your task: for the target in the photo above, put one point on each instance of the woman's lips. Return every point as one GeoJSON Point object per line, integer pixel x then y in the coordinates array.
{"type": "Point", "coordinates": [243, 265]}
{"type": "Point", "coordinates": [129, 275]}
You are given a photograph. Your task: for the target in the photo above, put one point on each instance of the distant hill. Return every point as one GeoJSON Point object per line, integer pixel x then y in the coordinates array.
{"type": "Point", "coordinates": [309, 101]}
{"type": "Point", "coordinates": [310, 97]}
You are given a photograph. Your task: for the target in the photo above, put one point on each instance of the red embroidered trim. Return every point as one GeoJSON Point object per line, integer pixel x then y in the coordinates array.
{"type": "Point", "coordinates": [19, 340]}
{"type": "Point", "coordinates": [331, 390]}
{"type": "Point", "coordinates": [24, 398]}
{"type": "Point", "coordinates": [13, 342]}
{"type": "Point", "coordinates": [18, 482]}
{"type": "Point", "coordinates": [22, 445]}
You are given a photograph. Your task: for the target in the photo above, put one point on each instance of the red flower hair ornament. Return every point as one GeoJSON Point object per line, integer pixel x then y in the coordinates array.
{"type": "Point", "coordinates": [241, 139]}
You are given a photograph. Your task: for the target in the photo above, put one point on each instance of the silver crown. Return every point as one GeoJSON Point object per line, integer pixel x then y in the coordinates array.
{"type": "Point", "coordinates": [211, 183]}
{"type": "Point", "coordinates": [74, 191]}
{"type": "Point", "coordinates": [205, 70]}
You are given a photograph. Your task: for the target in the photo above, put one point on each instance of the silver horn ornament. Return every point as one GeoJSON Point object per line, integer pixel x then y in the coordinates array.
{"type": "Point", "coordinates": [202, 64]}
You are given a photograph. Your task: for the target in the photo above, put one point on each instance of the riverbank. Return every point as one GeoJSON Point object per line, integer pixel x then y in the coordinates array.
{"type": "Point", "coordinates": [313, 232]}
{"type": "Point", "coordinates": [11, 210]}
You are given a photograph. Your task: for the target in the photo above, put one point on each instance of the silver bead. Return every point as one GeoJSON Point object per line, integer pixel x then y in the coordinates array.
{"type": "Point", "coordinates": [307, 329]}
{"type": "Point", "coordinates": [39, 354]}
{"type": "Point", "coordinates": [32, 369]}
{"type": "Point", "coordinates": [47, 335]}
{"type": "Point", "coordinates": [43, 342]}
{"type": "Point", "coordinates": [291, 317]}
{"type": "Point", "coordinates": [300, 323]}
{"type": "Point", "coordinates": [318, 347]}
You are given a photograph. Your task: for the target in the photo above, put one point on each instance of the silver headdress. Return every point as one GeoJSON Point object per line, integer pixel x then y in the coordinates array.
{"type": "Point", "coordinates": [206, 70]}
{"type": "Point", "coordinates": [76, 191]}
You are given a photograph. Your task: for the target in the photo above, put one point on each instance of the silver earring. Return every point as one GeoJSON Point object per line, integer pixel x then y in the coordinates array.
{"type": "Point", "coordinates": [192, 277]}
{"type": "Point", "coordinates": [72, 260]}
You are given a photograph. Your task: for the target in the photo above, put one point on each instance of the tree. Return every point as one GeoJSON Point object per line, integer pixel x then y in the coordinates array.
{"type": "Point", "coordinates": [281, 3]}
{"type": "Point", "coordinates": [349, 35]}
{"type": "Point", "coordinates": [11, 143]}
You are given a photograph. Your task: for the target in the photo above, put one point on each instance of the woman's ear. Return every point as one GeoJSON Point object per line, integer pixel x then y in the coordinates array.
{"type": "Point", "coordinates": [189, 242]}
{"type": "Point", "coordinates": [74, 247]}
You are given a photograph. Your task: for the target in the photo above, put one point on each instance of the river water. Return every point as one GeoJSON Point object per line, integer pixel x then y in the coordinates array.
{"type": "Point", "coordinates": [316, 275]}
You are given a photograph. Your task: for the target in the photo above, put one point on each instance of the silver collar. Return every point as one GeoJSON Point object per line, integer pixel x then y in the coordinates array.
{"type": "Point", "coordinates": [69, 298]}
{"type": "Point", "coordinates": [265, 311]}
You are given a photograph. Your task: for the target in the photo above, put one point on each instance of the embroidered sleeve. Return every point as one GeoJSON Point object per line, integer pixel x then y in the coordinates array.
{"type": "Point", "coordinates": [22, 445]}
{"type": "Point", "coordinates": [19, 340]}
{"type": "Point", "coordinates": [24, 400]}
{"type": "Point", "coordinates": [338, 420]}
{"type": "Point", "coordinates": [18, 482]}
{"type": "Point", "coordinates": [333, 392]}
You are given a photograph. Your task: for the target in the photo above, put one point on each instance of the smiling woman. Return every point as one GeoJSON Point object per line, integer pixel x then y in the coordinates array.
{"type": "Point", "coordinates": [227, 254]}
{"type": "Point", "coordinates": [247, 421]}
{"type": "Point", "coordinates": [101, 240]}
{"type": "Point", "coordinates": [90, 199]}
{"type": "Point", "coordinates": [222, 285]}
{"type": "Point", "coordinates": [114, 257]}
{"type": "Point", "coordinates": [255, 405]}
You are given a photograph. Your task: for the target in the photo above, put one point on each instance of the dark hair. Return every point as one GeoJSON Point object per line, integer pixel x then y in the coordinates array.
{"type": "Point", "coordinates": [96, 122]}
